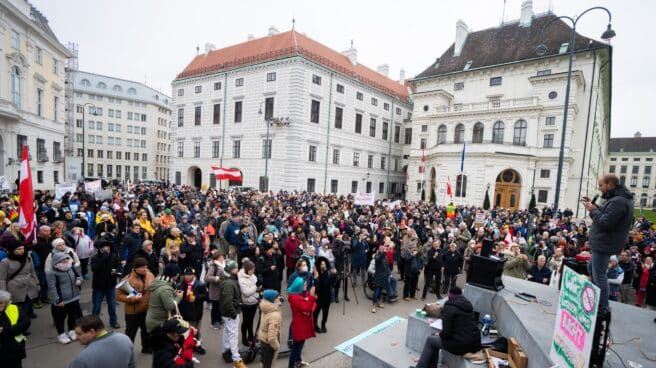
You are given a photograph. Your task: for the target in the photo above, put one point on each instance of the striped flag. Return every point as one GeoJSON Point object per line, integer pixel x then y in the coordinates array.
{"type": "Point", "coordinates": [26, 217]}
{"type": "Point", "coordinates": [449, 192]}
{"type": "Point", "coordinates": [422, 164]}
{"type": "Point", "coordinates": [226, 174]}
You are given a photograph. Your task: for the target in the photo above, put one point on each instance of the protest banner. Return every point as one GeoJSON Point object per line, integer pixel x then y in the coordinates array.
{"type": "Point", "coordinates": [364, 199]}
{"type": "Point", "coordinates": [104, 194]}
{"type": "Point", "coordinates": [575, 321]}
{"type": "Point", "coordinates": [61, 189]}
{"type": "Point", "coordinates": [4, 184]}
{"type": "Point", "coordinates": [93, 186]}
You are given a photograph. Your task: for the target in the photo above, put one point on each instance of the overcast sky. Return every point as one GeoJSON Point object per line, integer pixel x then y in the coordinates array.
{"type": "Point", "coordinates": [153, 40]}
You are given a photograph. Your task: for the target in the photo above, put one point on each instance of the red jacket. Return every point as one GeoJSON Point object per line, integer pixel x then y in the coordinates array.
{"type": "Point", "coordinates": [291, 246]}
{"type": "Point", "coordinates": [389, 253]}
{"type": "Point", "coordinates": [302, 306]}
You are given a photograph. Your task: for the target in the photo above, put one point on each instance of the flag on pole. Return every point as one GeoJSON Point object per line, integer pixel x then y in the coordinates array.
{"type": "Point", "coordinates": [449, 192]}
{"type": "Point", "coordinates": [462, 159]}
{"type": "Point", "coordinates": [26, 217]}
{"type": "Point", "coordinates": [226, 174]}
{"type": "Point", "coordinates": [422, 164]}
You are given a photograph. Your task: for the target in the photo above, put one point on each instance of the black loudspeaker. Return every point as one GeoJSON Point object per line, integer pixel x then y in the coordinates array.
{"type": "Point", "coordinates": [580, 267]}
{"type": "Point", "coordinates": [485, 272]}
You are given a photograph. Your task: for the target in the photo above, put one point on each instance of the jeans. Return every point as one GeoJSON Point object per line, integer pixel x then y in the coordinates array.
{"type": "Point", "coordinates": [110, 294]}
{"type": "Point", "coordinates": [268, 355]}
{"type": "Point", "coordinates": [449, 282]}
{"type": "Point", "coordinates": [134, 322]}
{"type": "Point", "coordinates": [391, 288]}
{"type": "Point", "coordinates": [295, 355]}
{"type": "Point", "coordinates": [597, 268]}
{"type": "Point", "coordinates": [377, 292]}
{"type": "Point", "coordinates": [43, 285]}
{"type": "Point", "coordinates": [230, 337]}
{"type": "Point", "coordinates": [431, 353]}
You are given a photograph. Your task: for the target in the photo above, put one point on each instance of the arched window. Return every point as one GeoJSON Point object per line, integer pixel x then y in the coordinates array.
{"type": "Point", "coordinates": [132, 91]}
{"type": "Point", "coordinates": [441, 134]}
{"type": "Point", "coordinates": [461, 186]}
{"type": "Point", "coordinates": [101, 85]}
{"type": "Point", "coordinates": [497, 132]}
{"type": "Point", "coordinates": [519, 136]}
{"type": "Point", "coordinates": [16, 87]}
{"type": "Point", "coordinates": [85, 83]}
{"type": "Point", "coordinates": [459, 135]}
{"type": "Point", "coordinates": [478, 133]}
{"type": "Point", "coordinates": [117, 88]}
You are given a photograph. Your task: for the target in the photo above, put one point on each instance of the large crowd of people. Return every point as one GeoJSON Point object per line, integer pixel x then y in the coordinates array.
{"type": "Point", "coordinates": [176, 250]}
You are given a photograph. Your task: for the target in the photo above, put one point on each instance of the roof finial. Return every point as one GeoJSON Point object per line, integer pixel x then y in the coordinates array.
{"type": "Point", "coordinates": [351, 43]}
{"type": "Point", "coordinates": [293, 23]}
{"type": "Point", "coordinates": [197, 50]}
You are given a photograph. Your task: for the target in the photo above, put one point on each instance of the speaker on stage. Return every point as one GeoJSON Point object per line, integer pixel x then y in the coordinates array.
{"type": "Point", "coordinates": [485, 272]}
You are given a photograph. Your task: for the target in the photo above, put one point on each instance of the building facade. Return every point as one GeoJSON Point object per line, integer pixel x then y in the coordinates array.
{"type": "Point", "coordinates": [122, 128]}
{"type": "Point", "coordinates": [632, 160]}
{"type": "Point", "coordinates": [31, 95]}
{"type": "Point", "coordinates": [492, 96]}
{"type": "Point", "coordinates": [333, 125]}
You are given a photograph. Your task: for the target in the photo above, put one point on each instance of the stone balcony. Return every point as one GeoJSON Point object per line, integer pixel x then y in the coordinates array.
{"type": "Point", "coordinates": [492, 104]}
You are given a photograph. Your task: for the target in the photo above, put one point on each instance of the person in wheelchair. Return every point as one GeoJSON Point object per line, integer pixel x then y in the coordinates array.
{"type": "Point", "coordinates": [382, 278]}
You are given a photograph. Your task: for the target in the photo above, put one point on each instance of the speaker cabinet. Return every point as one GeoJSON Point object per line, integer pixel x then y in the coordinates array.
{"type": "Point", "coordinates": [485, 272]}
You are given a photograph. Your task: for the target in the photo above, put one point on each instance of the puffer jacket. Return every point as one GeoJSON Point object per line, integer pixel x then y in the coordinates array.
{"type": "Point", "coordinates": [62, 284]}
{"type": "Point", "coordinates": [611, 221]}
{"type": "Point", "coordinates": [141, 285]}
{"type": "Point", "coordinates": [230, 297]}
{"type": "Point", "coordinates": [24, 284]}
{"type": "Point", "coordinates": [248, 287]}
{"type": "Point", "coordinates": [269, 332]}
{"type": "Point", "coordinates": [213, 277]}
{"type": "Point", "coordinates": [460, 334]}
{"type": "Point", "coordinates": [162, 302]}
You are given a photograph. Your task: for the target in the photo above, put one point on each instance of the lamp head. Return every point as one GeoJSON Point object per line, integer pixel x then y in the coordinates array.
{"type": "Point", "coordinates": [259, 112]}
{"type": "Point", "coordinates": [541, 49]}
{"type": "Point", "coordinates": [608, 34]}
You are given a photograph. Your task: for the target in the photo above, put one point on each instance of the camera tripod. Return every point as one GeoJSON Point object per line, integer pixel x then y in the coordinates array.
{"type": "Point", "coordinates": [346, 275]}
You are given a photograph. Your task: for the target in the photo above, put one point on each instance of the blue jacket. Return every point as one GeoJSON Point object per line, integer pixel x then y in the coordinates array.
{"type": "Point", "coordinates": [230, 234]}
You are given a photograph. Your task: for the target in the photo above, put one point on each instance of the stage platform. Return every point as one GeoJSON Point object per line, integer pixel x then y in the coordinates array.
{"type": "Point", "coordinates": [531, 323]}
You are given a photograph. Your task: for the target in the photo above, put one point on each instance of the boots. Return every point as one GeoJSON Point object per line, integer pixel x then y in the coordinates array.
{"type": "Point", "coordinates": [227, 356]}
{"type": "Point", "coordinates": [239, 364]}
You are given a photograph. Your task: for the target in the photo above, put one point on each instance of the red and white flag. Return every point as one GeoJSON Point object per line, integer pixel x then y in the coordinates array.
{"type": "Point", "coordinates": [422, 164]}
{"type": "Point", "coordinates": [26, 217]}
{"type": "Point", "coordinates": [449, 192]}
{"type": "Point", "coordinates": [226, 174]}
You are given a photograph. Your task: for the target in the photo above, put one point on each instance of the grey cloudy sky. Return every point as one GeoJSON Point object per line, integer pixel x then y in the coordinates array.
{"type": "Point", "coordinates": [153, 40]}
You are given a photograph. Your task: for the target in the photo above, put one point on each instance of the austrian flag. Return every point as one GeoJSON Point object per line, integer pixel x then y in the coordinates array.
{"type": "Point", "coordinates": [26, 217]}
{"type": "Point", "coordinates": [226, 174]}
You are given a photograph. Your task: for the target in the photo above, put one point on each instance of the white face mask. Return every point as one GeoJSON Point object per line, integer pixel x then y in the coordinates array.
{"type": "Point", "coordinates": [303, 269]}
{"type": "Point", "coordinates": [64, 265]}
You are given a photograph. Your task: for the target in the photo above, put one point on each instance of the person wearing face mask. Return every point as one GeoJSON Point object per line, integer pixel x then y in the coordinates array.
{"type": "Point", "coordinates": [323, 279]}
{"type": "Point", "coordinates": [18, 276]}
{"type": "Point", "coordinates": [59, 246]}
{"type": "Point", "coordinates": [270, 324]}
{"type": "Point", "coordinates": [64, 287]}
{"type": "Point", "coordinates": [136, 306]}
{"type": "Point", "coordinates": [248, 287]}
{"type": "Point", "coordinates": [267, 268]}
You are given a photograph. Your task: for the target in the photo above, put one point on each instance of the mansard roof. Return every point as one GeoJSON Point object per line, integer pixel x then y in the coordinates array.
{"type": "Point", "coordinates": [633, 144]}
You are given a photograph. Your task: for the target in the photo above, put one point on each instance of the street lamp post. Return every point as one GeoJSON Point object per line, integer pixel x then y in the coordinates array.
{"type": "Point", "coordinates": [279, 122]}
{"type": "Point", "coordinates": [84, 137]}
{"type": "Point", "coordinates": [541, 50]}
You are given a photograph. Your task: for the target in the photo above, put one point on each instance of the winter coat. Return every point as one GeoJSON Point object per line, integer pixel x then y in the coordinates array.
{"type": "Point", "coordinates": [12, 340]}
{"type": "Point", "coordinates": [270, 278]}
{"type": "Point", "coordinates": [192, 311]}
{"type": "Point", "coordinates": [452, 263]}
{"type": "Point", "coordinates": [62, 286]}
{"type": "Point", "coordinates": [162, 302]}
{"type": "Point", "coordinates": [469, 252]}
{"type": "Point", "coordinates": [248, 288]}
{"type": "Point", "coordinates": [23, 284]}
{"type": "Point", "coordinates": [460, 334]}
{"type": "Point", "coordinates": [140, 284]}
{"type": "Point", "coordinates": [42, 249]}
{"type": "Point", "coordinates": [382, 271]}
{"type": "Point", "coordinates": [462, 239]}
{"type": "Point", "coordinates": [540, 274]}
{"type": "Point", "coordinates": [191, 255]}
{"type": "Point", "coordinates": [152, 259]}
{"type": "Point", "coordinates": [213, 277]}
{"type": "Point", "coordinates": [324, 283]}
{"type": "Point", "coordinates": [615, 277]}
{"type": "Point", "coordinates": [433, 260]}
{"type": "Point", "coordinates": [515, 267]}
{"type": "Point", "coordinates": [291, 247]}
{"type": "Point", "coordinates": [166, 351]}
{"type": "Point", "coordinates": [230, 297]}
{"type": "Point", "coordinates": [359, 254]}
{"type": "Point", "coordinates": [270, 324]}
{"type": "Point", "coordinates": [302, 306]}
{"type": "Point", "coordinates": [83, 246]}
{"type": "Point", "coordinates": [69, 251]}
{"type": "Point", "coordinates": [412, 264]}
{"type": "Point", "coordinates": [651, 288]}
{"type": "Point", "coordinates": [105, 267]}
{"type": "Point", "coordinates": [131, 244]}
{"type": "Point", "coordinates": [611, 221]}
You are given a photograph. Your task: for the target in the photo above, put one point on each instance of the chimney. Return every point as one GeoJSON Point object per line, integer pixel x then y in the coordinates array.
{"type": "Point", "coordinates": [637, 135]}
{"type": "Point", "coordinates": [402, 76]}
{"type": "Point", "coordinates": [527, 14]}
{"type": "Point", "coordinates": [461, 36]}
{"type": "Point", "coordinates": [383, 69]}
{"type": "Point", "coordinates": [251, 37]}
{"type": "Point", "coordinates": [352, 54]}
{"type": "Point", "coordinates": [273, 31]}
{"type": "Point", "coordinates": [209, 47]}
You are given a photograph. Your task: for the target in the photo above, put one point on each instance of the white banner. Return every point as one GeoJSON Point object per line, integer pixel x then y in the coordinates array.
{"type": "Point", "coordinates": [365, 199]}
{"type": "Point", "coordinates": [93, 186]}
{"type": "Point", "coordinates": [4, 184]}
{"type": "Point", "coordinates": [73, 165]}
{"type": "Point", "coordinates": [61, 189]}
{"type": "Point", "coordinates": [104, 194]}
{"type": "Point", "coordinates": [391, 205]}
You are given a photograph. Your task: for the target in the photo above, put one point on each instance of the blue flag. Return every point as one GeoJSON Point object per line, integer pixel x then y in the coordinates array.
{"type": "Point", "coordinates": [462, 159]}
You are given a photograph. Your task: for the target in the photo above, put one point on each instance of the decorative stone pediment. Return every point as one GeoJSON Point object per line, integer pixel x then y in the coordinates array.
{"type": "Point", "coordinates": [40, 78]}
{"type": "Point", "coordinates": [56, 86]}
{"type": "Point", "coordinates": [18, 59]}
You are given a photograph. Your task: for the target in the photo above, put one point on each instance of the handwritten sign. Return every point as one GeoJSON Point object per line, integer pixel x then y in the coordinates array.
{"type": "Point", "coordinates": [364, 199]}
{"type": "Point", "coordinates": [61, 189]}
{"type": "Point", "coordinates": [575, 321]}
{"type": "Point", "coordinates": [4, 184]}
{"type": "Point", "coordinates": [93, 186]}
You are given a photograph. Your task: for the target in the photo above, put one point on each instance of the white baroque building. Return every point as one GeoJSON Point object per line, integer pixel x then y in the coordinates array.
{"type": "Point", "coordinates": [122, 128]}
{"type": "Point", "coordinates": [31, 95]}
{"type": "Point", "coordinates": [632, 160]}
{"type": "Point", "coordinates": [491, 92]}
{"type": "Point", "coordinates": [334, 124]}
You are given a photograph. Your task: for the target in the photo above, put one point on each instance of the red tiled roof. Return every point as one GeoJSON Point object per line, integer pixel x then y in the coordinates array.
{"type": "Point", "coordinates": [285, 45]}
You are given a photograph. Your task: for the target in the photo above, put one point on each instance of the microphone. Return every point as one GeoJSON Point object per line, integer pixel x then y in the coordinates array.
{"type": "Point", "coordinates": [594, 199]}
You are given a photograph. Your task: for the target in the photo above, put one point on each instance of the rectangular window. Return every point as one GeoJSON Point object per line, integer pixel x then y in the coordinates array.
{"type": "Point", "coordinates": [239, 82]}
{"type": "Point", "coordinates": [266, 148]}
{"type": "Point", "coordinates": [386, 106]}
{"type": "Point", "coordinates": [41, 150]}
{"type": "Point", "coordinates": [359, 96]}
{"type": "Point", "coordinates": [458, 86]}
{"type": "Point", "coordinates": [372, 127]}
{"type": "Point", "coordinates": [424, 128]}
{"type": "Point", "coordinates": [419, 186]}
{"type": "Point", "coordinates": [368, 188]}
{"type": "Point", "coordinates": [197, 112]}
{"type": "Point", "coordinates": [543, 195]}
{"type": "Point", "coordinates": [398, 111]}
{"type": "Point", "coordinates": [334, 185]}
{"type": "Point", "coordinates": [422, 143]}
{"type": "Point", "coordinates": [647, 170]}
{"type": "Point", "coordinates": [542, 73]}
{"type": "Point", "coordinates": [550, 121]}
{"type": "Point", "coordinates": [217, 86]}
{"type": "Point", "coordinates": [385, 130]}
{"type": "Point", "coordinates": [397, 134]}
{"type": "Point", "coordinates": [99, 139]}
{"type": "Point", "coordinates": [119, 154]}
{"type": "Point", "coordinates": [356, 159]}
{"type": "Point", "coordinates": [55, 108]}
{"type": "Point", "coordinates": [180, 150]}
{"type": "Point", "coordinates": [110, 113]}
{"type": "Point", "coordinates": [312, 153]}
{"type": "Point", "coordinates": [358, 123]}
{"type": "Point", "coordinates": [374, 101]}
{"type": "Point", "coordinates": [407, 137]}
{"type": "Point", "coordinates": [39, 177]}
{"type": "Point", "coordinates": [143, 131]}
{"type": "Point", "coordinates": [495, 81]}
{"type": "Point", "coordinates": [180, 117]}
{"type": "Point", "coordinates": [611, 169]}
{"type": "Point", "coordinates": [635, 169]}
{"type": "Point", "coordinates": [548, 141]}
{"type": "Point", "coordinates": [39, 102]}
{"type": "Point", "coordinates": [370, 161]}
{"type": "Point", "coordinates": [335, 156]}
{"type": "Point", "coordinates": [90, 153]}
{"type": "Point", "coordinates": [100, 170]}
{"type": "Point", "coordinates": [89, 169]}
{"type": "Point", "coordinates": [38, 56]}
{"type": "Point", "coordinates": [100, 154]}
{"type": "Point", "coordinates": [178, 178]}
{"type": "Point", "coordinates": [80, 152]}
{"type": "Point", "coordinates": [238, 106]}
{"type": "Point", "coordinates": [92, 139]}
{"type": "Point", "coordinates": [117, 141]}
{"type": "Point", "coordinates": [197, 149]}
{"type": "Point", "coordinates": [198, 89]}
{"type": "Point", "coordinates": [130, 115]}
{"type": "Point", "coordinates": [381, 187]}
{"type": "Point", "coordinates": [118, 114]}
{"type": "Point", "coordinates": [215, 149]}
{"type": "Point", "coordinates": [271, 76]}
{"type": "Point", "coordinates": [99, 125]}
{"type": "Point", "coordinates": [623, 169]}
{"type": "Point", "coordinates": [645, 182]}
{"type": "Point", "coordinates": [338, 117]}
{"type": "Point", "coordinates": [110, 155]}
{"type": "Point", "coordinates": [383, 163]}
{"type": "Point", "coordinates": [545, 174]}
{"type": "Point", "coordinates": [110, 170]}
{"type": "Point", "coordinates": [340, 88]}
{"type": "Point", "coordinates": [636, 159]}
{"type": "Point", "coordinates": [634, 182]}
{"type": "Point", "coordinates": [311, 183]}
{"type": "Point", "coordinates": [56, 151]}
{"type": "Point", "coordinates": [129, 127]}
{"type": "Point", "coordinates": [268, 108]}
{"type": "Point", "coordinates": [236, 148]}
{"type": "Point", "coordinates": [180, 91]}
{"type": "Point", "coordinates": [216, 117]}
{"type": "Point", "coordinates": [354, 186]}
{"type": "Point", "coordinates": [316, 79]}
{"type": "Point", "coordinates": [314, 111]}
{"type": "Point", "coordinates": [119, 171]}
